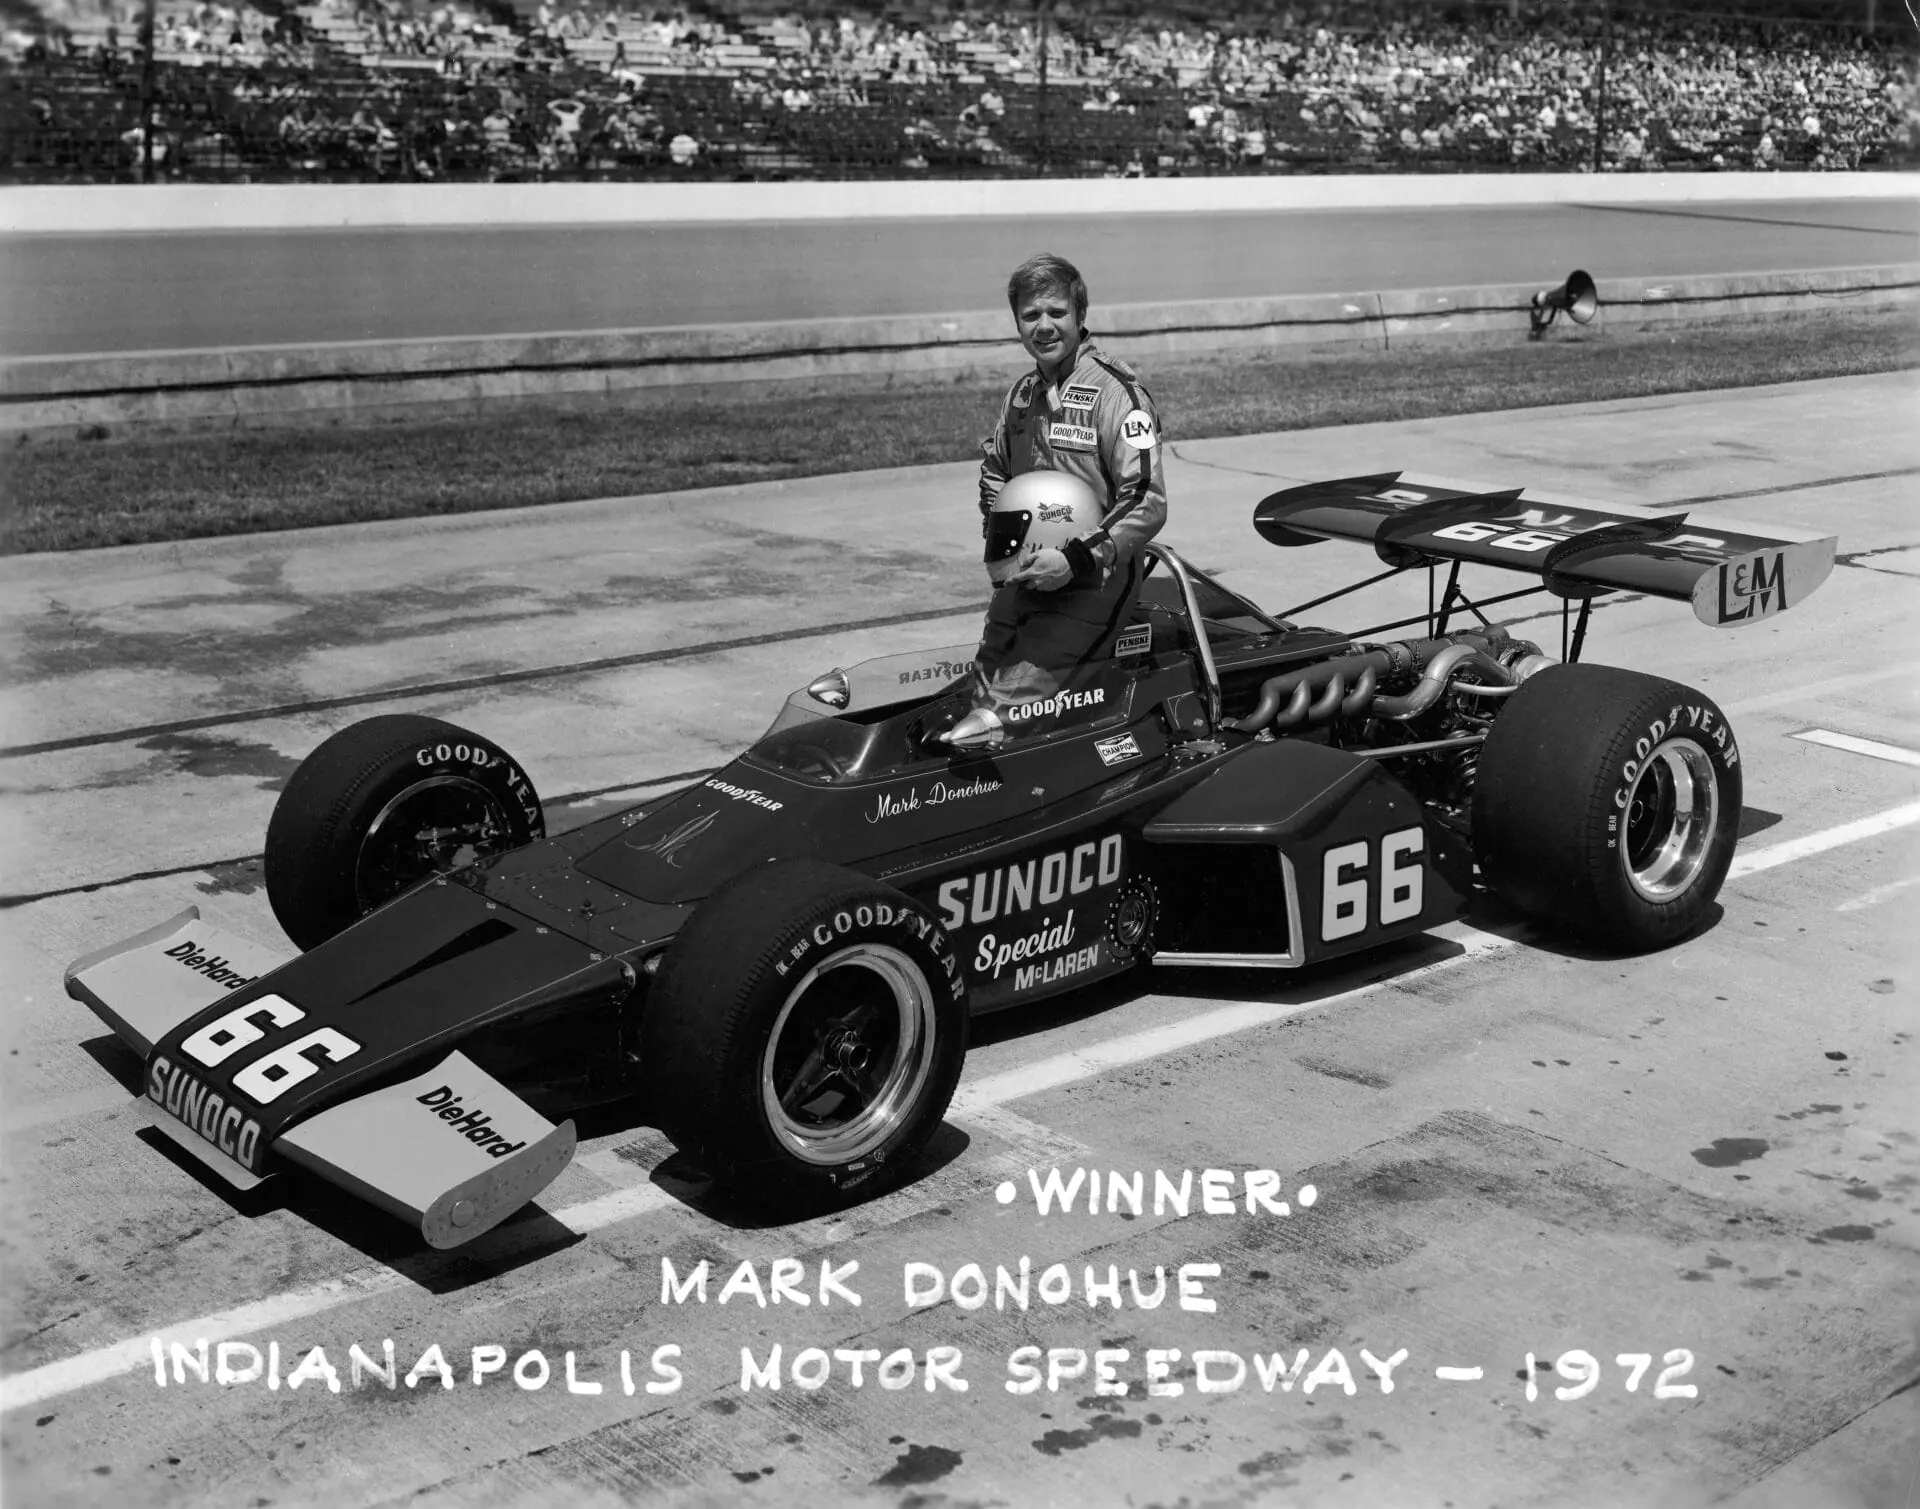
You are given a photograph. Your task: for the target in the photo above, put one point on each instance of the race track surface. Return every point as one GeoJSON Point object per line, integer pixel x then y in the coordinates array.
{"type": "Point", "coordinates": [1707, 1157]}
{"type": "Point", "coordinates": [67, 295]}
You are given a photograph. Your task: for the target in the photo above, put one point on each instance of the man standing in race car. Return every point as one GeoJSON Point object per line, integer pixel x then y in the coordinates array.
{"type": "Point", "coordinates": [1085, 414]}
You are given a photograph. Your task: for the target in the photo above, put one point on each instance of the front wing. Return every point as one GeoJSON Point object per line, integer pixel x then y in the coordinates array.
{"type": "Point", "coordinates": [451, 1151]}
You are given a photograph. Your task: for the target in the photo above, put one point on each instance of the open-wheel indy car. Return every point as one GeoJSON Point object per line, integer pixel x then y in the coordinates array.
{"type": "Point", "coordinates": [777, 964]}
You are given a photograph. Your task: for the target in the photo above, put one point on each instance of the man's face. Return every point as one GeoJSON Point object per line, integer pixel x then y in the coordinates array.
{"type": "Point", "coordinates": [1049, 329]}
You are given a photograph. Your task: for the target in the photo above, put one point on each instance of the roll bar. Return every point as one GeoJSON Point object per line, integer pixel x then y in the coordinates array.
{"type": "Point", "coordinates": [1158, 552]}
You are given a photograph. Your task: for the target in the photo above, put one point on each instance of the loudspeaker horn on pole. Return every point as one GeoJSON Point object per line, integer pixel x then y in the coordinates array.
{"type": "Point", "coordinates": [1577, 296]}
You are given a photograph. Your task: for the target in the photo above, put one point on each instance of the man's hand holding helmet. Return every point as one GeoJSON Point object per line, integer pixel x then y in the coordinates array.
{"type": "Point", "coordinates": [1041, 531]}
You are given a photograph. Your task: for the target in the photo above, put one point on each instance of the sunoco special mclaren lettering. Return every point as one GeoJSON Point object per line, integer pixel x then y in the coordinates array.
{"type": "Point", "coordinates": [777, 965]}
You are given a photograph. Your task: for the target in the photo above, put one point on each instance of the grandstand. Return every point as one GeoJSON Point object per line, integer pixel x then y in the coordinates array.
{"type": "Point", "coordinates": [425, 90]}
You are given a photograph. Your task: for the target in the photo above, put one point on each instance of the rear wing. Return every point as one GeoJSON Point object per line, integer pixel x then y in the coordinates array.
{"type": "Point", "coordinates": [1732, 575]}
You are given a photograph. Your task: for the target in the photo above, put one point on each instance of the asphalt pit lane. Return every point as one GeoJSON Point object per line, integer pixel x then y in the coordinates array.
{"type": "Point", "coordinates": [1728, 1151]}
{"type": "Point", "coordinates": [1714, 1260]}
{"type": "Point", "coordinates": [1695, 1276]}
{"type": "Point", "coordinates": [1100, 1428]}
{"type": "Point", "coordinates": [214, 757]}
{"type": "Point", "coordinates": [1848, 1233]}
{"type": "Point", "coordinates": [1756, 820]}
{"type": "Point", "coordinates": [240, 877]}
{"type": "Point", "coordinates": [1862, 1192]}
{"type": "Point", "coordinates": [1269, 1463]}
{"type": "Point", "coordinates": [917, 1465]}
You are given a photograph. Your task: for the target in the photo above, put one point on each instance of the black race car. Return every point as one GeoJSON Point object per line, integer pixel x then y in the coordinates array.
{"type": "Point", "coordinates": [777, 965]}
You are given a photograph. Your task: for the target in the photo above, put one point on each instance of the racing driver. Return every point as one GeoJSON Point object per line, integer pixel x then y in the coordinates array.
{"type": "Point", "coordinates": [1084, 413]}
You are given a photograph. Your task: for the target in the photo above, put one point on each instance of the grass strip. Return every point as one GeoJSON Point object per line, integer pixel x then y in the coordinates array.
{"type": "Point", "coordinates": [73, 495]}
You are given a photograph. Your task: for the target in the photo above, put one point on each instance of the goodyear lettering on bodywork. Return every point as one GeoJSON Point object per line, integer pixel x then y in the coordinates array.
{"type": "Point", "coordinates": [1060, 702]}
{"type": "Point", "coordinates": [749, 794]}
{"type": "Point", "coordinates": [940, 670]}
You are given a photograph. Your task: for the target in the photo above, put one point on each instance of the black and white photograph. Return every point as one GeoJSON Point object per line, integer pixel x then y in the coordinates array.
{"type": "Point", "coordinates": [960, 755]}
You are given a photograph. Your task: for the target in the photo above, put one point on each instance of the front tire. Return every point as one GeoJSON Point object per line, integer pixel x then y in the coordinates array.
{"type": "Point", "coordinates": [381, 805]}
{"type": "Point", "coordinates": [805, 1034]}
{"type": "Point", "coordinates": [1607, 803]}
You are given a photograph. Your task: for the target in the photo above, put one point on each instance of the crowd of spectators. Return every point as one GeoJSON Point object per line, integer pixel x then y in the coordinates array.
{"type": "Point", "coordinates": [438, 89]}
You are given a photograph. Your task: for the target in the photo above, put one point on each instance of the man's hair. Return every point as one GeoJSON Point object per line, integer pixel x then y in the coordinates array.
{"type": "Point", "coordinates": [1038, 274]}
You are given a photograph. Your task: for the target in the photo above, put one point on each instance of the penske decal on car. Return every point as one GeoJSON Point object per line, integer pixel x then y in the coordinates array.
{"type": "Point", "coordinates": [1002, 892]}
{"type": "Point", "coordinates": [472, 1125]}
{"type": "Point", "coordinates": [208, 1112]}
{"type": "Point", "coordinates": [210, 965]}
{"type": "Point", "coordinates": [748, 794]}
{"type": "Point", "coordinates": [1063, 702]}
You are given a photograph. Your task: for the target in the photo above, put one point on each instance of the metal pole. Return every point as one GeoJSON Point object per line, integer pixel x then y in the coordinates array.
{"type": "Point", "coordinates": [146, 92]}
{"type": "Point", "coordinates": [1600, 111]}
{"type": "Point", "coordinates": [1040, 113]}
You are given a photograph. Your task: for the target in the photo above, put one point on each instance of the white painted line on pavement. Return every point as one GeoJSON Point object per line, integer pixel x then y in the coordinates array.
{"type": "Point", "coordinates": [36, 1385]}
{"type": "Point", "coordinates": [1877, 895]}
{"type": "Point", "coordinates": [1084, 1063]}
{"type": "Point", "coordinates": [1852, 745]}
{"type": "Point", "coordinates": [1819, 843]}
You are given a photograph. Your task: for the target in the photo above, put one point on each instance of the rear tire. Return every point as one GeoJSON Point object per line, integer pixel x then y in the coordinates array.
{"type": "Point", "coordinates": [804, 1035]}
{"type": "Point", "coordinates": [380, 806]}
{"type": "Point", "coordinates": [1607, 803]}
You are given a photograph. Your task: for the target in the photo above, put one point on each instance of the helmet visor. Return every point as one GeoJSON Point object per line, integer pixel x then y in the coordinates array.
{"type": "Point", "coordinates": [1006, 533]}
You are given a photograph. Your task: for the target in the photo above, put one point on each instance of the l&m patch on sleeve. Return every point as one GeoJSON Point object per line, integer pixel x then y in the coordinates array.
{"type": "Point", "coordinates": [1078, 397]}
{"type": "Point", "coordinates": [1073, 437]}
{"type": "Point", "coordinates": [1137, 430]}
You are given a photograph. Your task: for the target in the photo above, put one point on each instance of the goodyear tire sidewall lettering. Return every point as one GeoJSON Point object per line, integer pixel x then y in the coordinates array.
{"type": "Point", "coordinates": [476, 759]}
{"type": "Point", "coordinates": [872, 921]}
{"type": "Point", "coordinates": [1693, 722]}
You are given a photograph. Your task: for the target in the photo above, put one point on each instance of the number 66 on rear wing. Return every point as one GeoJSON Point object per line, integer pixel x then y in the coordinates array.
{"type": "Point", "coordinates": [1732, 575]}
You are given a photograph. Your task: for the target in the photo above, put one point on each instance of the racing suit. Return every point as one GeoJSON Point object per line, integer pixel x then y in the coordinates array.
{"type": "Point", "coordinates": [1099, 424]}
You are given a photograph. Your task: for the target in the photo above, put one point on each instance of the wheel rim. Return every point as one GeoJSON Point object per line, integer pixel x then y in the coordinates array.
{"type": "Point", "coordinates": [849, 1054]}
{"type": "Point", "coordinates": [1669, 820]}
{"type": "Point", "coordinates": [441, 823]}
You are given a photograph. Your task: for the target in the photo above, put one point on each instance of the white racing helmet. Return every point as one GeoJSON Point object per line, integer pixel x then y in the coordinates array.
{"type": "Point", "coordinates": [1037, 509]}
